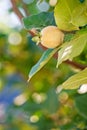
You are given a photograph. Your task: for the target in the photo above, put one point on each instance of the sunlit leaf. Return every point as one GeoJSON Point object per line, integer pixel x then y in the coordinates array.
{"type": "Point", "coordinates": [74, 47]}
{"type": "Point", "coordinates": [76, 80]}
{"type": "Point", "coordinates": [79, 15]}
{"type": "Point", "coordinates": [72, 15]}
{"type": "Point", "coordinates": [43, 60]}
{"type": "Point", "coordinates": [63, 14]}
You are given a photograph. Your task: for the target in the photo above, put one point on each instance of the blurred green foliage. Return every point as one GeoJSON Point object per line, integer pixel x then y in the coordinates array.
{"type": "Point", "coordinates": [40, 104]}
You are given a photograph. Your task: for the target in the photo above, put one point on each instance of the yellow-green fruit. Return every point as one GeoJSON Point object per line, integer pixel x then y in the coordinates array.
{"type": "Point", "coordinates": [51, 37]}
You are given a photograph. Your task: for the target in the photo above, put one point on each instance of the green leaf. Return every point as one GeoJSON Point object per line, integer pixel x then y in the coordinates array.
{"type": "Point", "coordinates": [73, 48]}
{"type": "Point", "coordinates": [79, 15]}
{"type": "Point", "coordinates": [39, 20]}
{"type": "Point", "coordinates": [51, 104]}
{"type": "Point", "coordinates": [75, 81]}
{"type": "Point", "coordinates": [81, 104]}
{"type": "Point", "coordinates": [44, 59]}
{"type": "Point", "coordinates": [32, 7]}
{"type": "Point", "coordinates": [63, 14]}
{"type": "Point", "coordinates": [72, 15]}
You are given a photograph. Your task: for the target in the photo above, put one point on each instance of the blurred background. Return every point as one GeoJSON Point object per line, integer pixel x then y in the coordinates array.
{"type": "Point", "coordinates": [39, 104]}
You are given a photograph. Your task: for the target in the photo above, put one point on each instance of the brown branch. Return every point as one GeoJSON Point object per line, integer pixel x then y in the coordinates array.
{"type": "Point", "coordinates": [16, 10]}
{"type": "Point", "coordinates": [76, 65]}
{"type": "Point", "coordinates": [20, 16]}
{"type": "Point", "coordinates": [72, 63]}
{"type": "Point", "coordinates": [32, 33]}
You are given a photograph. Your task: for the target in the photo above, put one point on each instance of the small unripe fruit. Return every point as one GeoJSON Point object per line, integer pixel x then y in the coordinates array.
{"type": "Point", "coordinates": [51, 37]}
{"type": "Point", "coordinates": [52, 2]}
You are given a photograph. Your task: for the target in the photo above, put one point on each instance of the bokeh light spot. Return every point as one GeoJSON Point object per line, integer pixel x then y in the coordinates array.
{"type": "Point", "coordinates": [15, 38]}
{"type": "Point", "coordinates": [34, 118]}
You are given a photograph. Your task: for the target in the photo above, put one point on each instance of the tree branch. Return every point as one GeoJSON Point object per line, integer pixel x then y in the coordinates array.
{"type": "Point", "coordinates": [72, 63]}
{"type": "Point", "coordinates": [76, 65]}
{"type": "Point", "coordinates": [20, 15]}
{"type": "Point", "coordinates": [16, 10]}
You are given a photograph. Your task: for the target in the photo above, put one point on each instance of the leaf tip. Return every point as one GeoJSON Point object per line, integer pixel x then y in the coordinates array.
{"type": "Point", "coordinates": [28, 80]}
{"type": "Point", "coordinates": [57, 65]}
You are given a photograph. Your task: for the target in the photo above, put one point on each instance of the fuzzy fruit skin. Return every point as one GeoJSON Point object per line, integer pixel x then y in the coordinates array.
{"type": "Point", "coordinates": [52, 2]}
{"type": "Point", "coordinates": [51, 37]}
